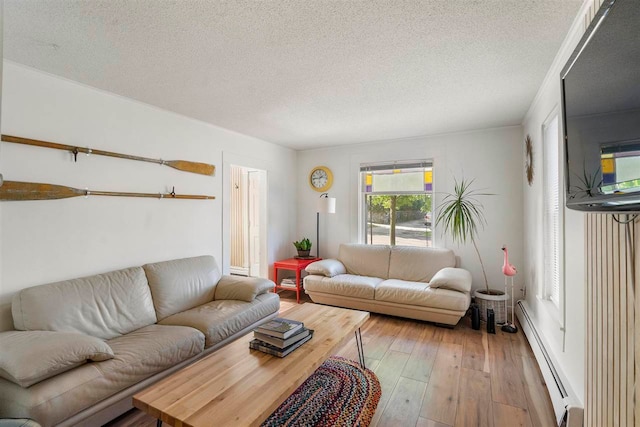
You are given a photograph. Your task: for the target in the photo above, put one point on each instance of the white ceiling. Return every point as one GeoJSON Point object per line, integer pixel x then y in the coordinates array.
{"type": "Point", "coordinates": [303, 74]}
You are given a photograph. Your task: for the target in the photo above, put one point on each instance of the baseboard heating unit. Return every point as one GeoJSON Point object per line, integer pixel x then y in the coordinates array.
{"type": "Point", "coordinates": [566, 406]}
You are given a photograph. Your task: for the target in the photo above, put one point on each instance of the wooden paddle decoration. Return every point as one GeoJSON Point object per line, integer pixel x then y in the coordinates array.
{"type": "Point", "coordinates": [183, 165]}
{"type": "Point", "coordinates": [16, 190]}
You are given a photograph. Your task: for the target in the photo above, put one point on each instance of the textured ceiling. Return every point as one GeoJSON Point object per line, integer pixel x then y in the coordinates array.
{"type": "Point", "coordinates": [303, 74]}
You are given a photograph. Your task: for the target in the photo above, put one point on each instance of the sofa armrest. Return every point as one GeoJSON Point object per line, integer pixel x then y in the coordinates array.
{"type": "Point", "coordinates": [455, 279]}
{"type": "Point", "coordinates": [242, 288]}
{"type": "Point", "coordinates": [326, 267]}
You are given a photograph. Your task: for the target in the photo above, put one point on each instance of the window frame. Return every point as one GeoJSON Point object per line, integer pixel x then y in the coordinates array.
{"type": "Point", "coordinates": [389, 166]}
{"type": "Point", "coordinates": [553, 164]}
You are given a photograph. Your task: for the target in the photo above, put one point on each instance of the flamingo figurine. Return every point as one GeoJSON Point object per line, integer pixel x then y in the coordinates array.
{"type": "Point", "coordinates": [509, 270]}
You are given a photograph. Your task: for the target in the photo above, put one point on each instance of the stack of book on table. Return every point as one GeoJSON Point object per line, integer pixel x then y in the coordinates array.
{"type": "Point", "coordinates": [280, 337]}
{"type": "Point", "coordinates": [289, 282]}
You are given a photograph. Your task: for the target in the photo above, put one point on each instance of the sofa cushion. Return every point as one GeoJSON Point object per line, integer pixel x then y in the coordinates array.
{"type": "Point", "coordinates": [365, 260]}
{"type": "Point", "coordinates": [28, 357]}
{"type": "Point", "coordinates": [55, 399]}
{"type": "Point", "coordinates": [138, 355]}
{"type": "Point", "coordinates": [104, 306]}
{"type": "Point", "coordinates": [182, 284]}
{"type": "Point", "coordinates": [242, 288]}
{"type": "Point", "coordinates": [419, 293]}
{"type": "Point", "coordinates": [147, 351]}
{"type": "Point", "coordinates": [326, 267]}
{"type": "Point", "coordinates": [343, 284]}
{"type": "Point", "coordinates": [456, 279]}
{"type": "Point", "coordinates": [418, 264]}
{"type": "Point", "coordinates": [220, 319]}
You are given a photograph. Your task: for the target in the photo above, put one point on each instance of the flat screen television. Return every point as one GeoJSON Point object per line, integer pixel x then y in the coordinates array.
{"type": "Point", "coordinates": [601, 112]}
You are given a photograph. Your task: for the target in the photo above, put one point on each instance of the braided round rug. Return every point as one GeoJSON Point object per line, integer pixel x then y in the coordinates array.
{"type": "Point", "coordinates": [338, 393]}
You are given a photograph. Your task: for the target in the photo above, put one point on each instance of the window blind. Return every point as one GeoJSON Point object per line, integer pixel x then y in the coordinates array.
{"type": "Point", "coordinates": [552, 229]}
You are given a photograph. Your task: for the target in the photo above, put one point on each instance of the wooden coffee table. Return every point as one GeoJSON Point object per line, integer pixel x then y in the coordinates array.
{"type": "Point", "coordinates": [236, 386]}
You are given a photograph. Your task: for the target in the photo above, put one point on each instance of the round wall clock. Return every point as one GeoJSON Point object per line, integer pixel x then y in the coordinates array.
{"type": "Point", "coordinates": [528, 164]}
{"type": "Point", "coordinates": [320, 178]}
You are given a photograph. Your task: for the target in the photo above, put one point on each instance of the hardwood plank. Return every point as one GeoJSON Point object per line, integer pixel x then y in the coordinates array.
{"type": "Point", "coordinates": [519, 344]}
{"type": "Point", "coordinates": [487, 359]}
{"type": "Point", "coordinates": [441, 398]}
{"type": "Point", "coordinates": [422, 357]}
{"type": "Point", "coordinates": [509, 416]}
{"type": "Point", "coordinates": [472, 413]}
{"type": "Point", "coordinates": [506, 373]}
{"type": "Point", "coordinates": [423, 422]}
{"type": "Point", "coordinates": [406, 339]}
{"type": "Point", "coordinates": [475, 385]}
{"type": "Point", "coordinates": [390, 367]}
{"type": "Point", "coordinates": [404, 404]}
{"type": "Point", "coordinates": [538, 401]}
{"type": "Point", "coordinates": [475, 354]}
{"type": "Point", "coordinates": [381, 333]}
{"type": "Point", "coordinates": [388, 373]}
{"type": "Point", "coordinates": [475, 407]}
{"type": "Point", "coordinates": [456, 335]}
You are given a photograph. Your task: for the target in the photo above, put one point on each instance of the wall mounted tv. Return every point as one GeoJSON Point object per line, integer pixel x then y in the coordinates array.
{"type": "Point", "coordinates": [601, 112]}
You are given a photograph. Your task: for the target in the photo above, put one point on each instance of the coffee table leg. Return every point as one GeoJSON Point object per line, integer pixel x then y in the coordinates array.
{"type": "Point", "coordinates": [360, 348]}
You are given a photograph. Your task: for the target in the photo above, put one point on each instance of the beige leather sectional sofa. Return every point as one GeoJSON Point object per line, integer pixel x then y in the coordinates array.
{"type": "Point", "coordinates": [81, 348]}
{"type": "Point", "coordinates": [418, 283]}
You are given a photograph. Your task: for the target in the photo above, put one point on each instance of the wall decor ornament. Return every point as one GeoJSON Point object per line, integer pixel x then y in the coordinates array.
{"type": "Point", "coordinates": [21, 191]}
{"type": "Point", "coordinates": [528, 165]}
{"type": "Point", "coordinates": [182, 165]}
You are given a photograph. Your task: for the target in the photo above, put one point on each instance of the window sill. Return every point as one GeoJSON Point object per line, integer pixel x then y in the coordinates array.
{"type": "Point", "coordinates": [552, 310]}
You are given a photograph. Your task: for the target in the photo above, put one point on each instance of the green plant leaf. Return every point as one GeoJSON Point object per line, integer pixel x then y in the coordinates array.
{"type": "Point", "coordinates": [461, 214]}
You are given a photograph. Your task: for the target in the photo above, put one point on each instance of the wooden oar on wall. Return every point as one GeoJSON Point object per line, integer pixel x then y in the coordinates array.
{"type": "Point", "coordinates": [183, 165]}
{"type": "Point", "coordinates": [16, 190]}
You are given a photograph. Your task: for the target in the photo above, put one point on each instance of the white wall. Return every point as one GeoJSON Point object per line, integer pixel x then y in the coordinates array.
{"type": "Point", "coordinates": [493, 157]}
{"type": "Point", "coordinates": [44, 241]}
{"type": "Point", "coordinates": [564, 334]}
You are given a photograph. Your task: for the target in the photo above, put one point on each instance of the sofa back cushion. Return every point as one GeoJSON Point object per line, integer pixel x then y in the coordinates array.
{"type": "Point", "coordinates": [418, 264]}
{"type": "Point", "coordinates": [104, 306]}
{"type": "Point", "coordinates": [182, 284]}
{"type": "Point", "coordinates": [365, 260]}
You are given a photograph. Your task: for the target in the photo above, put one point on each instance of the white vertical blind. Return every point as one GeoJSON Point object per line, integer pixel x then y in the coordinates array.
{"type": "Point", "coordinates": [552, 205]}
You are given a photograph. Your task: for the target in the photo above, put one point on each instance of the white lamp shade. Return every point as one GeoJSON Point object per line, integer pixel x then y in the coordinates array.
{"type": "Point", "coordinates": [327, 205]}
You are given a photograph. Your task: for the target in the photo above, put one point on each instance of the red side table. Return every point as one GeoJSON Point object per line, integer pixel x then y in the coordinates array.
{"type": "Point", "coordinates": [291, 264]}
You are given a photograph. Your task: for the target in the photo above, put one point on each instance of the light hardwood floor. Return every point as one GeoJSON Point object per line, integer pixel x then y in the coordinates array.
{"type": "Point", "coordinates": [435, 377]}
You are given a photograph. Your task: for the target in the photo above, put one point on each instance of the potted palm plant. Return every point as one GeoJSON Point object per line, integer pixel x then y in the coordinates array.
{"type": "Point", "coordinates": [460, 215]}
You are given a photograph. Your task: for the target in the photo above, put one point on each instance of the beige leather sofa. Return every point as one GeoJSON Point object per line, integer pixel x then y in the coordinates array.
{"type": "Point", "coordinates": [418, 283]}
{"type": "Point", "coordinates": [81, 348]}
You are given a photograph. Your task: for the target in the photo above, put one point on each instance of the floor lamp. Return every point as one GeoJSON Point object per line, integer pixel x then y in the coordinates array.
{"type": "Point", "coordinates": [326, 204]}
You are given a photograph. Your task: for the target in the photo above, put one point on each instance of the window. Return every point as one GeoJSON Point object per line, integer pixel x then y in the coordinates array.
{"type": "Point", "coordinates": [553, 203]}
{"type": "Point", "coordinates": [397, 201]}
